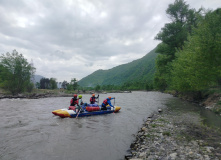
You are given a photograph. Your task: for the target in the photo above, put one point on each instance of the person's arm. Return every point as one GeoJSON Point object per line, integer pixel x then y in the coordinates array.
{"type": "Point", "coordinates": [79, 102]}
{"type": "Point", "coordinates": [109, 102]}
{"type": "Point", "coordinates": [71, 101]}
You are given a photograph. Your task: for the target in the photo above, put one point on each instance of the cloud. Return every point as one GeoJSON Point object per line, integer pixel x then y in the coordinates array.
{"type": "Point", "coordinates": [71, 39]}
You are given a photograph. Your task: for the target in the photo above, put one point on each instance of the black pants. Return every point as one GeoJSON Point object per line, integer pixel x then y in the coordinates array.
{"type": "Point", "coordinates": [103, 107]}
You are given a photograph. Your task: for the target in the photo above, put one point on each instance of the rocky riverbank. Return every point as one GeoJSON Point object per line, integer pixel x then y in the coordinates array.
{"type": "Point", "coordinates": [41, 93]}
{"type": "Point", "coordinates": [172, 135]}
{"type": "Point", "coordinates": [35, 95]}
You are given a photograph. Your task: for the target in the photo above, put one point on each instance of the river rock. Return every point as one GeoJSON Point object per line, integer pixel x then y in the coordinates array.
{"type": "Point", "coordinates": [128, 156]}
{"type": "Point", "coordinates": [206, 157]}
{"type": "Point", "coordinates": [208, 149]}
{"type": "Point", "coordinates": [168, 137]}
{"type": "Point", "coordinates": [173, 156]}
{"type": "Point", "coordinates": [142, 154]}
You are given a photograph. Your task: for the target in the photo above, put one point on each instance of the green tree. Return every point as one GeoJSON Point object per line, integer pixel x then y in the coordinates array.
{"type": "Point", "coordinates": [29, 87]}
{"type": "Point", "coordinates": [37, 85]}
{"type": "Point", "coordinates": [97, 88]}
{"type": "Point", "coordinates": [173, 35]}
{"type": "Point", "coordinates": [74, 83]}
{"type": "Point", "coordinates": [198, 65]}
{"type": "Point", "coordinates": [45, 83]}
{"type": "Point", "coordinates": [162, 74]}
{"type": "Point", "coordinates": [15, 72]}
{"type": "Point", "coordinates": [64, 84]}
{"type": "Point", "coordinates": [53, 83]}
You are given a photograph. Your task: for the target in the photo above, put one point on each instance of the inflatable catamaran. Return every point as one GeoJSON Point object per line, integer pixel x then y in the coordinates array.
{"type": "Point", "coordinates": [88, 110]}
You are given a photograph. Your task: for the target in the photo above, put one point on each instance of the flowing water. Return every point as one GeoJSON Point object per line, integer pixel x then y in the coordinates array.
{"type": "Point", "coordinates": [29, 131]}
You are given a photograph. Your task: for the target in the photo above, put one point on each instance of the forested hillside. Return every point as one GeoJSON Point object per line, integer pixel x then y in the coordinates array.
{"type": "Point", "coordinates": [189, 57]}
{"type": "Point", "coordinates": [140, 70]}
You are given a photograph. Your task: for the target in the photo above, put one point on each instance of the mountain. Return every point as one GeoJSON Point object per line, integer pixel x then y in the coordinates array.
{"type": "Point", "coordinates": [138, 70]}
{"type": "Point", "coordinates": [37, 78]}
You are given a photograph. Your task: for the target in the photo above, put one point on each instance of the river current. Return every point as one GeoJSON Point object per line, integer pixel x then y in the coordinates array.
{"type": "Point", "coordinates": [29, 131]}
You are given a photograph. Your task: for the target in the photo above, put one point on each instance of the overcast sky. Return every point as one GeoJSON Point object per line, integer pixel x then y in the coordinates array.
{"type": "Point", "coordinates": [72, 38]}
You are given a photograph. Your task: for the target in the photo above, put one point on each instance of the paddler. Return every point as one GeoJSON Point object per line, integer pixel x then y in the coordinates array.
{"type": "Point", "coordinates": [74, 100]}
{"type": "Point", "coordinates": [106, 102]}
{"type": "Point", "coordinates": [93, 99]}
{"type": "Point", "coordinates": [79, 105]}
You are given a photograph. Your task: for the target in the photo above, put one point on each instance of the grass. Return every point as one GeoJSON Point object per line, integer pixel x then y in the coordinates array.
{"type": "Point", "coordinates": [185, 136]}
{"type": "Point", "coordinates": [217, 110]}
{"type": "Point", "coordinates": [152, 136]}
{"type": "Point", "coordinates": [166, 133]}
{"type": "Point", "coordinates": [161, 120]}
{"type": "Point", "coordinates": [156, 125]}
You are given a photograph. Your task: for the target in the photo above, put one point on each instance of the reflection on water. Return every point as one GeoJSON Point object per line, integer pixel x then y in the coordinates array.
{"type": "Point", "coordinates": [209, 117]}
{"type": "Point", "coordinates": [30, 131]}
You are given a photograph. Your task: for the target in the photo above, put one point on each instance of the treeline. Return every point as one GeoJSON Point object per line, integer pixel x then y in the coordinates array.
{"type": "Point", "coordinates": [127, 86]}
{"type": "Point", "coordinates": [17, 76]}
{"type": "Point", "coordinates": [15, 73]}
{"type": "Point", "coordinates": [46, 83]}
{"type": "Point", "coordinates": [190, 52]}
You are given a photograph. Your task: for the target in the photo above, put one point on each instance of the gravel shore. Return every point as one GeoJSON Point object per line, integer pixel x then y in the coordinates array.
{"type": "Point", "coordinates": [172, 135]}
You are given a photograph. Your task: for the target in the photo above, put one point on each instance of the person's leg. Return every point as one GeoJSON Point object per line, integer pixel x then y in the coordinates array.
{"type": "Point", "coordinates": [77, 109]}
{"type": "Point", "coordinates": [103, 106]}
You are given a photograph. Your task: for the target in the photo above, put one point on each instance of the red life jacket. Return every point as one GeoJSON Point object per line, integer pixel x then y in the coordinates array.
{"type": "Point", "coordinates": [92, 100]}
{"type": "Point", "coordinates": [105, 102]}
{"type": "Point", "coordinates": [74, 101]}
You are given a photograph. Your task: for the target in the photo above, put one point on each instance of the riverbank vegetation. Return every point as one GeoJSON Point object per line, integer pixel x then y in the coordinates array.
{"type": "Point", "coordinates": [15, 73]}
{"type": "Point", "coordinates": [190, 52]}
{"type": "Point", "coordinates": [189, 60]}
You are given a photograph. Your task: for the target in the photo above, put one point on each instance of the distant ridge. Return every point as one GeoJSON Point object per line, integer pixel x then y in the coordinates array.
{"type": "Point", "coordinates": [37, 78]}
{"type": "Point", "coordinates": [141, 70]}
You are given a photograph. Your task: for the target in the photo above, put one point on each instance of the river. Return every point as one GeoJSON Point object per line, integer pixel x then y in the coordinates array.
{"type": "Point", "coordinates": [29, 131]}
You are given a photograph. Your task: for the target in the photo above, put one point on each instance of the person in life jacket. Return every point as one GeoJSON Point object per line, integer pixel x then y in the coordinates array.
{"type": "Point", "coordinates": [74, 100]}
{"type": "Point", "coordinates": [93, 99]}
{"type": "Point", "coordinates": [106, 102]}
{"type": "Point", "coordinates": [79, 104]}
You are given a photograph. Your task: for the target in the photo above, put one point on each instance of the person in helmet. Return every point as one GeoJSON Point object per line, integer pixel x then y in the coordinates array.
{"type": "Point", "coordinates": [74, 100]}
{"type": "Point", "coordinates": [106, 102]}
{"type": "Point", "coordinates": [80, 102]}
{"type": "Point", "coordinates": [93, 99]}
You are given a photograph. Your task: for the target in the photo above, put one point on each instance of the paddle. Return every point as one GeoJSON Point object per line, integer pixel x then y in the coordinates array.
{"type": "Point", "coordinates": [98, 99]}
{"type": "Point", "coordinates": [78, 113]}
{"type": "Point", "coordinates": [114, 103]}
